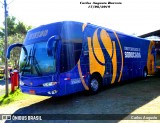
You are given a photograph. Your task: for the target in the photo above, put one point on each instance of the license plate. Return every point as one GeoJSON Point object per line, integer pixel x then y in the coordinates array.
{"type": "Point", "coordinates": [32, 92]}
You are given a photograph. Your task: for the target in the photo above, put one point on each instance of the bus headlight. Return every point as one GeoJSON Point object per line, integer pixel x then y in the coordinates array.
{"type": "Point", "coordinates": [21, 83]}
{"type": "Point", "coordinates": [49, 84]}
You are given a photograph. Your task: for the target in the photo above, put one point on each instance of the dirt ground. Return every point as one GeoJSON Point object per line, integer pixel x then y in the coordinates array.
{"type": "Point", "coordinates": [132, 97]}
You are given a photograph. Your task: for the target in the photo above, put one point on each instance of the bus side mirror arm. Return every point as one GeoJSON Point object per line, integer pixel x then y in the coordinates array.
{"type": "Point", "coordinates": [50, 44]}
{"type": "Point", "coordinates": [13, 46]}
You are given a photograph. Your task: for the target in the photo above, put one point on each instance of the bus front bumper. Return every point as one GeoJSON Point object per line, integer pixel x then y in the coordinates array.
{"type": "Point", "coordinates": [44, 91]}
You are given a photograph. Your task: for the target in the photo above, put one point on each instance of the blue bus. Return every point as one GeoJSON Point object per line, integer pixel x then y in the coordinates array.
{"type": "Point", "coordinates": [67, 57]}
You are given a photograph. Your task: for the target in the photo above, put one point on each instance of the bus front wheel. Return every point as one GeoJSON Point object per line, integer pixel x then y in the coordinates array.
{"type": "Point", "coordinates": [94, 85]}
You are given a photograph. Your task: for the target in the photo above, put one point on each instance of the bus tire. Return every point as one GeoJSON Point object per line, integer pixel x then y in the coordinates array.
{"type": "Point", "coordinates": [145, 73]}
{"type": "Point", "coordinates": [94, 85]}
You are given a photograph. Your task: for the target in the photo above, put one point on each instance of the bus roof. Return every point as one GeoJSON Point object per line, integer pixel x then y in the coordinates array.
{"type": "Point", "coordinates": [44, 32]}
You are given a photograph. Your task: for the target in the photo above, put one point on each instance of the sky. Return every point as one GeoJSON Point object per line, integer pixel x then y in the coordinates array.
{"type": "Point", "coordinates": [131, 17]}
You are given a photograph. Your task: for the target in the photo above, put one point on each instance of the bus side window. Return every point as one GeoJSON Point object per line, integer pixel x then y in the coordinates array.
{"type": "Point", "coordinates": [67, 61]}
{"type": "Point", "coordinates": [63, 59]}
{"type": "Point", "coordinates": [77, 51]}
{"type": "Point", "coordinates": [70, 55]}
{"type": "Point", "coordinates": [71, 36]}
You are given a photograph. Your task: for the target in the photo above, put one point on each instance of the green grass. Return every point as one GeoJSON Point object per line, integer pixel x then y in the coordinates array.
{"type": "Point", "coordinates": [12, 97]}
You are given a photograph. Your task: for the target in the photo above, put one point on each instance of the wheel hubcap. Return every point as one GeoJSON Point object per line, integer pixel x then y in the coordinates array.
{"type": "Point", "coordinates": [94, 84]}
{"type": "Point", "coordinates": [145, 74]}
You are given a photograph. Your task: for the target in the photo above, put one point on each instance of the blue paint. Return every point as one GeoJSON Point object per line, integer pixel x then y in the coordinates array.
{"type": "Point", "coordinates": [72, 46]}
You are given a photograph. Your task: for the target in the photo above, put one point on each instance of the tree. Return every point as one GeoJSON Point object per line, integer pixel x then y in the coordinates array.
{"type": "Point", "coordinates": [11, 25]}
{"type": "Point", "coordinates": [15, 54]}
{"type": "Point", "coordinates": [14, 27]}
{"type": "Point", "coordinates": [21, 28]}
{"type": "Point", "coordinates": [1, 32]}
{"type": "Point", "coordinates": [16, 33]}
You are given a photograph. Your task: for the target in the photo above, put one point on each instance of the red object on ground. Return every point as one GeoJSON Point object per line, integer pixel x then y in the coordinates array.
{"type": "Point", "coordinates": [16, 77]}
{"type": "Point", "coordinates": [14, 80]}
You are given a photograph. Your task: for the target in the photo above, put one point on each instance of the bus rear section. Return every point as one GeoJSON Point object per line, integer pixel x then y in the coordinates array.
{"type": "Point", "coordinates": [115, 57]}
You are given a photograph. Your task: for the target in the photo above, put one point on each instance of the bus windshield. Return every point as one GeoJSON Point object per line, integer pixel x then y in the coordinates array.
{"type": "Point", "coordinates": [36, 62]}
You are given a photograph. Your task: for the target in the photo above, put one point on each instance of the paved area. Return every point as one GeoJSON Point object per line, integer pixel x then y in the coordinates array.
{"type": "Point", "coordinates": [132, 97]}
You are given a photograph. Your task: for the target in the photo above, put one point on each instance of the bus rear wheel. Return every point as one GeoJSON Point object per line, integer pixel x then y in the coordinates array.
{"type": "Point", "coordinates": [145, 73]}
{"type": "Point", "coordinates": [94, 85]}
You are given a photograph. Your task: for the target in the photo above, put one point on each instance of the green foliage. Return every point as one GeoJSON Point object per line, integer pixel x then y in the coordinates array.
{"type": "Point", "coordinates": [14, 27]}
{"type": "Point", "coordinates": [1, 32]}
{"type": "Point", "coordinates": [21, 28]}
{"type": "Point", "coordinates": [15, 54]}
{"type": "Point", "coordinates": [11, 25]}
{"type": "Point", "coordinates": [16, 34]}
{"type": "Point", "coordinates": [13, 96]}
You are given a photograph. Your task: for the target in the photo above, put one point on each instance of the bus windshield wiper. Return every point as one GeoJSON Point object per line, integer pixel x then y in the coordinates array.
{"type": "Point", "coordinates": [35, 63]}
{"type": "Point", "coordinates": [27, 59]}
{"type": "Point", "coordinates": [31, 62]}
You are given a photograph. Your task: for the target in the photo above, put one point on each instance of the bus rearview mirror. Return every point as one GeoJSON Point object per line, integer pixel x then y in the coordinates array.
{"type": "Point", "coordinates": [13, 46]}
{"type": "Point", "coordinates": [50, 44]}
